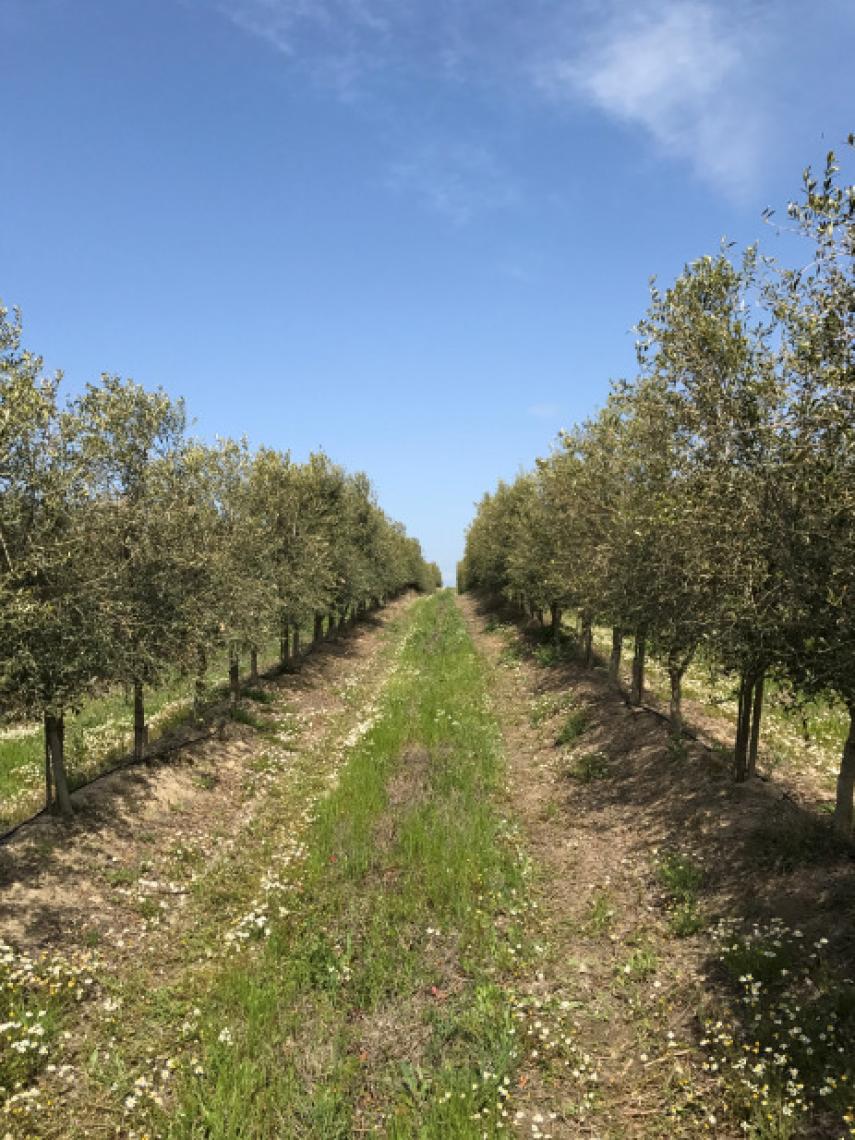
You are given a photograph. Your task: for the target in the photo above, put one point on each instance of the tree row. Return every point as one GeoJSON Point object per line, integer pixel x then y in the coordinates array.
{"type": "Point", "coordinates": [129, 550]}
{"type": "Point", "coordinates": [710, 506]}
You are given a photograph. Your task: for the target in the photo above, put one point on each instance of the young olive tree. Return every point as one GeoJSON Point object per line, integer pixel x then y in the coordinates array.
{"type": "Point", "coordinates": [128, 440]}
{"type": "Point", "coordinates": [816, 308]}
{"type": "Point", "coordinates": [715, 403]}
{"type": "Point", "coordinates": [52, 648]}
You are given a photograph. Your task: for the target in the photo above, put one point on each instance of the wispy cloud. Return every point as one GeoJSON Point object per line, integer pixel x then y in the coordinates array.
{"type": "Point", "coordinates": [693, 75]}
{"type": "Point", "coordinates": [454, 42]}
{"type": "Point", "coordinates": [340, 43]}
{"type": "Point", "coordinates": [682, 70]}
{"type": "Point", "coordinates": [457, 180]}
{"type": "Point", "coordinates": [544, 411]}
{"type": "Point", "coordinates": [283, 22]}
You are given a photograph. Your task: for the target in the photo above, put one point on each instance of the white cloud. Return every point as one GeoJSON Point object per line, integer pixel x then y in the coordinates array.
{"type": "Point", "coordinates": [695, 76]}
{"type": "Point", "coordinates": [456, 180]}
{"type": "Point", "coordinates": [684, 71]}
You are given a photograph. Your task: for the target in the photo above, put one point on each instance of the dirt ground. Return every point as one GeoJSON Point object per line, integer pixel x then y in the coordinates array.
{"type": "Point", "coordinates": [101, 879]}
{"type": "Point", "coordinates": [639, 993]}
{"type": "Point", "coordinates": [633, 997]}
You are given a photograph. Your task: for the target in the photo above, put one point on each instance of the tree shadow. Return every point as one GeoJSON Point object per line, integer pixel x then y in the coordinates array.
{"type": "Point", "coordinates": [764, 860]}
{"type": "Point", "coordinates": [191, 778]}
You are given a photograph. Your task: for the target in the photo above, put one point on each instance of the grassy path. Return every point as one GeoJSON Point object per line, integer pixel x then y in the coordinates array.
{"type": "Point", "coordinates": [114, 929]}
{"type": "Point", "coordinates": [354, 959]}
{"type": "Point", "coordinates": [608, 954]}
{"type": "Point", "coordinates": [446, 892]}
{"type": "Point", "coordinates": [381, 1003]}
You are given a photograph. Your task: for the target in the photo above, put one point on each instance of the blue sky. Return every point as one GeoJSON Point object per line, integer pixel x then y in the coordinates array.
{"type": "Point", "coordinates": [415, 233]}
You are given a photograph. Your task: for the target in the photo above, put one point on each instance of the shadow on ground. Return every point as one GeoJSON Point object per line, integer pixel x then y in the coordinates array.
{"type": "Point", "coordinates": [189, 787]}
{"type": "Point", "coordinates": [760, 853]}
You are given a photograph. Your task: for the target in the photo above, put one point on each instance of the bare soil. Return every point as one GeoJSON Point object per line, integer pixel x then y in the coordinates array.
{"type": "Point", "coordinates": [99, 879]}
{"type": "Point", "coordinates": [596, 845]}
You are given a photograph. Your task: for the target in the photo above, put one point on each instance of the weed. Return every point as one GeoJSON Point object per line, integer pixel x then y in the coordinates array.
{"type": "Point", "coordinates": [121, 876]}
{"type": "Point", "coordinates": [260, 696]}
{"type": "Point", "coordinates": [679, 875]}
{"type": "Point", "coordinates": [588, 767]}
{"type": "Point", "coordinates": [682, 879]}
{"type": "Point", "coordinates": [601, 912]}
{"type": "Point", "coordinates": [551, 652]}
{"type": "Point", "coordinates": [546, 655]}
{"type": "Point", "coordinates": [248, 717]}
{"type": "Point", "coordinates": [677, 748]}
{"type": "Point", "coordinates": [512, 653]}
{"type": "Point", "coordinates": [149, 908]}
{"type": "Point", "coordinates": [685, 918]}
{"type": "Point", "coordinates": [547, 706]}
{"type": "Point", "coordinates": [784, 1045]}
{"type": "Point", "coordinates": [640, 965]}
{"type": "Point", "coordinates": [574, 726]}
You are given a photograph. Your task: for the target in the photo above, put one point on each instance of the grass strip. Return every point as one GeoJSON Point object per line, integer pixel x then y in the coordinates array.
{"type": "Point", "coordinates": [380, 1003]}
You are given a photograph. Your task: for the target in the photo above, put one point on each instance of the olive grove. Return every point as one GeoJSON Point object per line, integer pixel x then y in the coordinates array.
{"type": "Point", "coordinates": [128, 549]}
{"type": "Point", "coordinates": [710, 506]}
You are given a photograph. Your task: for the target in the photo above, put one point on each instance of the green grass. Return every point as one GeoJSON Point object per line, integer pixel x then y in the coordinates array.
{"type": "Point", "coordinates": [249, 717]}
{"type": "Point", "coordinates": [588, 767]}
{"type": "Point", "coordinates": [260, 696]}
{"type": "Point", "coordinates": [796, 738]}
{"type": "Point", "coordinates": [38, 996]}
{"type": "Point", "coordinates": [602, 912]}
{"type": "Point", "coordinates": [682, 879]}
{"type": "Point", "coordinates": [547, 706]}
{"type": "Point", "coordinates": [573, 727]}
{"type": "Point", "coordinates": [101, 733]}
{"type": "Point", "coordinates": [379, 1003]}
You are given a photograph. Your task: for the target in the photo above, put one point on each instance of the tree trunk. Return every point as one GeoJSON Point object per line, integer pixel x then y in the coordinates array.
{"type": "Point", "coordinates": [234, 676]}
{"type": "Point", "coordinates": [846, 782]}
{"type": "Point", "coordinates": [319, 628]}
{"type": "Point", "coordinates": [743, 728]}
{"type": "Point", "coordinates": [283, 644]}
{"type": "Point", "coordinates": [756, 714]}
{"type": "Point", "coordinates": [555, 616]}
{"type": "Point", "coordinates": [637, 691]}
{"type": "Point", "coordinates": [587, 641]}
{"type": "Point", "coordinates": [253, 664]}
{"type": "Point", "coordinates": [295, 643]}
{"type": "Point", "coordinates": [55, 737]}
{"type": "Point", "coordinates": [617, 652]}
{"type": "Point", "coordinates": [540, 620]}
{"type": "Point", "coordinates": [199, 683]}
{"type": "Point", "coordinates": [140, 729]}
{"type": "Point", "coordinates": [48, 776]}
{"type": "Point", "coordinates": [675, 675]}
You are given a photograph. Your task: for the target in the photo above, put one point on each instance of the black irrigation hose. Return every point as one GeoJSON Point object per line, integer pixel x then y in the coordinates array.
{"type": "Point", "coordinates": [156, 754]}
